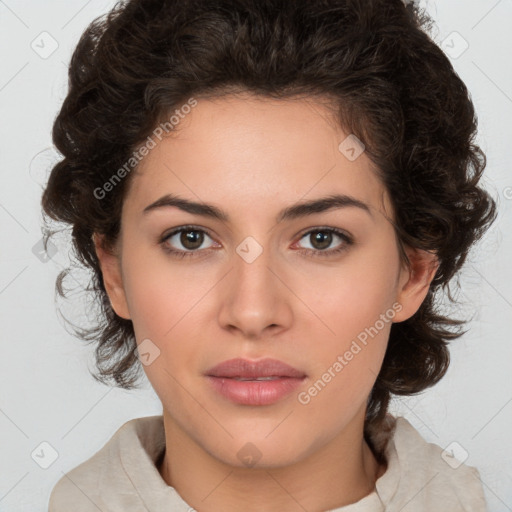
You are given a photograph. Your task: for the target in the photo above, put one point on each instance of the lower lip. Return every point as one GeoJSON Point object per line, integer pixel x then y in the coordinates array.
{"type": "Point", "coordinates": [255, 392]}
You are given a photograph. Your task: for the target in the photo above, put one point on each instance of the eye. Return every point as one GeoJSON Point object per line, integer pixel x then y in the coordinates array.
{"type": "Point", "coordinates": [186, 241]}
{"type": "Point", "coordinates": [189, 241]}
{"type": "Point", "coordinates": [320, 239]}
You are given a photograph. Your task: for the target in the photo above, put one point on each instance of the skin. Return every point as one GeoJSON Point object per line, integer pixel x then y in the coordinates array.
{"type": "Point", "coordinates": [252, 157]}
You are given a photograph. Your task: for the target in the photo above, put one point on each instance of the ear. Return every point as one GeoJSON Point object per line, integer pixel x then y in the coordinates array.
{"type": "Point", "coordinates": [110, 265]}
{"type": "Point", "coordinates": [414, 281]}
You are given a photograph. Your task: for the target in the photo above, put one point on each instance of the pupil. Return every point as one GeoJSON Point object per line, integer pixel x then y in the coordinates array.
{"type": "Point", "coordinates": [191, 239]}
{"type": "Point", "coordinates": [322, 239]}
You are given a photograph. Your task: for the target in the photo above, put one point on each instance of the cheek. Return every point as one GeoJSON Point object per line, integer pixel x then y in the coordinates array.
{"type": "Point", "coordinates": [345, 364]}
{"type": "Point", "coordinates": [351, 297]}
{"type": "Point", "coordinates": [161, 293]}
{"type": "Point", "coordinates": [169, 305]}
{"type": "Point", "coordinates": [356, 305]}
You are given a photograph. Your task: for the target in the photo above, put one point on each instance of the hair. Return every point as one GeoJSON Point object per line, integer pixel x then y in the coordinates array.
{"type": "Point", "coordinates": [388, 83]}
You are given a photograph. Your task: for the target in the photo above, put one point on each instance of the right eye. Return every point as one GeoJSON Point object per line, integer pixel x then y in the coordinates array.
{"type": "Point", "coordinates": [185, 241]}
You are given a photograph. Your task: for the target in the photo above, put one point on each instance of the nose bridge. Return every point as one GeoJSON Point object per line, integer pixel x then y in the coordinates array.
{"type": "Point", "coordinates": [253, 283]}
{"type": "Point", "coordinates": [251, 272]}
{"type": "Point", "coordinates": [255, 298]}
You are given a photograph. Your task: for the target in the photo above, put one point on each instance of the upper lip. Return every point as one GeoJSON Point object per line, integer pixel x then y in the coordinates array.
{"type": "Point", "coordinates": [253, 369]}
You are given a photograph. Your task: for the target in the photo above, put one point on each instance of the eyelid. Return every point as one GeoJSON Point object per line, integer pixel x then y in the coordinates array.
{"type": "Point", "coordinates": [187, 227]}
{"type": "Point", "coordinates": [337, 231]}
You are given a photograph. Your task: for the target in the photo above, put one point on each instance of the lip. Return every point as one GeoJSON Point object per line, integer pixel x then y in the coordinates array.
{"type": "Point", "coordinates": [282, 380]}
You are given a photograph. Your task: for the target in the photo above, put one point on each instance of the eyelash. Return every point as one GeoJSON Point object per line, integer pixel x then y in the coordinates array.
{"type": "Point", "coordinates": [347, 241]}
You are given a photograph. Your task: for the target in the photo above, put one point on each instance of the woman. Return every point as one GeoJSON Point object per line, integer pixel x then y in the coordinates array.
{"type": "Point", "coordinates": [271, 196]}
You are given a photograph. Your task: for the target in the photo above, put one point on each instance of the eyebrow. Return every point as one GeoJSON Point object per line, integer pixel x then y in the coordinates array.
{"type": "Point", "coordinates": [294, 211]}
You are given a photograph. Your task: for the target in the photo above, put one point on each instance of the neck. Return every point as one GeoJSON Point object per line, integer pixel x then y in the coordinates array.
{"type": "Point", "coordinates": [339, 473]}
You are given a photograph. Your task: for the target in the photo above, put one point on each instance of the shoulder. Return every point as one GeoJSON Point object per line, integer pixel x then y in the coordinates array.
{"type": "Point", "coordinates": [89, 486]}
{"type": "Point", "coordinates": [422, 476]}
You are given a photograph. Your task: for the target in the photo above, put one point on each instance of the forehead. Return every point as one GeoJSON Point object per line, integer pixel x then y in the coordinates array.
{"type": "Point", "coordinates": [251, 151]}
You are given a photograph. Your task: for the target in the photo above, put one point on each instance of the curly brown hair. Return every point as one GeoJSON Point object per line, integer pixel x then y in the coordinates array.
{"type": "Point", "coordinates": [390, 84]}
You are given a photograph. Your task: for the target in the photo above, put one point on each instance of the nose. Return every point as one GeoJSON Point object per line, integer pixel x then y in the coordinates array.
{"type": "Point", "coordinates": [256, 300]}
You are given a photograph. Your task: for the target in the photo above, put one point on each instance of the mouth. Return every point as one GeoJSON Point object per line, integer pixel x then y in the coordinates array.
{"type": "Point", "coordinates": [274, 377]}
{"type": "Point", "coordinates": [261, 382]}
{"type": "Point", "coordinates": [265, 369]}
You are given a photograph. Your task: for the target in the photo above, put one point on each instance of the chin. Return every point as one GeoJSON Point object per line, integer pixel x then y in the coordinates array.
{"type": "Point", "coordinates": [259, 452]}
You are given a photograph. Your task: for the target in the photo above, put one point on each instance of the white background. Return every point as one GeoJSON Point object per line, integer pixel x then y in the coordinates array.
{"type": "Point", "coordinates": [46, 392]}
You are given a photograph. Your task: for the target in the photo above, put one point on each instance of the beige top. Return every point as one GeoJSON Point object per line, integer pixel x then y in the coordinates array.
{"type": "Point", "coordinates": [123, 477]}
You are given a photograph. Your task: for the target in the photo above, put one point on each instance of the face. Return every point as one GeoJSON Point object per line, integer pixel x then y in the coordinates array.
{"type": "Point", "coordinates": [255, 277]}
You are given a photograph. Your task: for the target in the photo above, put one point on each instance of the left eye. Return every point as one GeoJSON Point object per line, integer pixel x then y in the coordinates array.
{"type": "Point", "coordinates": [321, 239]}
